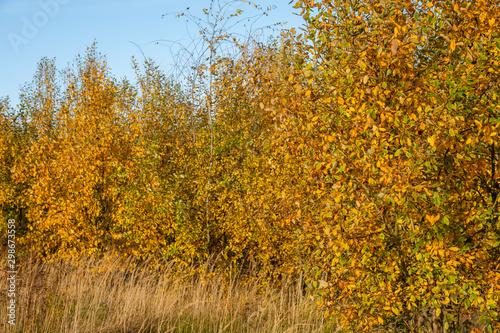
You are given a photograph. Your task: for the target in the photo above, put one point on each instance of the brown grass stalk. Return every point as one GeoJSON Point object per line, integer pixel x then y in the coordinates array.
{"type": "Point", "coordinates": [114, 295]}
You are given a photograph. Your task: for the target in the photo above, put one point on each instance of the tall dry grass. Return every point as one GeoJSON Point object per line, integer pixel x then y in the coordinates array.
{"type": "Point", "coordinates": [112, 295]}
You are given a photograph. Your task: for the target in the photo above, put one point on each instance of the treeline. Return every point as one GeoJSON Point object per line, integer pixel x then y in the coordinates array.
{"type": "Point", "coordinates": [362, 153]}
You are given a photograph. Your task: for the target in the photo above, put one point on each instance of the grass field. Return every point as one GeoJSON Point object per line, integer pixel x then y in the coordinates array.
{"type": "Point", "coordinates": [111, 295]}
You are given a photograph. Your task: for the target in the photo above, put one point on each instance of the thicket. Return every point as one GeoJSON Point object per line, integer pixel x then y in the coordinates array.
{"type": "Point", "coordinates": [361, 153]}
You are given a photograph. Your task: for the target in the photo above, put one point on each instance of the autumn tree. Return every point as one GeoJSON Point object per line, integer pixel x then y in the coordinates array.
{"type": "Point", "coordinates": [401, 136]}
{"type": "Point", "coordinates": [10, 135]}
{"type": "Point", "coordinates": [361, 153]}
{"type": "Point", "coordinates": [82, 137]}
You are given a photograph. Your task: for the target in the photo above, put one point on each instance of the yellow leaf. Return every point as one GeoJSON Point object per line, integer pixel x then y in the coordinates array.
{"type": "Point", "coordinates": [432, 219]}
{"type": "Point", "coordinates": [452, 45]}
{"type": "Point", "coordinates": [454, 248]}
{"type": "Point", "coordinates": [340, 100]}
{"type": "Point", "coordinates": [438, 312]}
{"type": "Point", "coordinates": [380, 320]}
{"type": "Point", "coordinates": [431, 140]}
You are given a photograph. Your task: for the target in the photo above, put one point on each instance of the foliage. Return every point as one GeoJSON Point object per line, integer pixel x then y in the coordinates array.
{"type": "Point", "coordinates": [361, 154]}
{"type": "Point", "coordinates": [401, 124]}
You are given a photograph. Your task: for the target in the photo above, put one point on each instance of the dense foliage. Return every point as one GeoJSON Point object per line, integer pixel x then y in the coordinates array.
{"type": "Point", "coordinates": [362, 154]}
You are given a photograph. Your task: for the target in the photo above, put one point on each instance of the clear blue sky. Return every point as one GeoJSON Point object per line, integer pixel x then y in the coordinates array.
{"type": "Point", "coordinates": [62, 29]}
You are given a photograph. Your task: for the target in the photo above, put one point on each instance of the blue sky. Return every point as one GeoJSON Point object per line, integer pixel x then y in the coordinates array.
{"type": "Point", "coordinates": [62, 29]}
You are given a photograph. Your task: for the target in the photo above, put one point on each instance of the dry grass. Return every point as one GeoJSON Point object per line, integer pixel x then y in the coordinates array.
{"type": "Point", "coordinates": [114, 296]}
